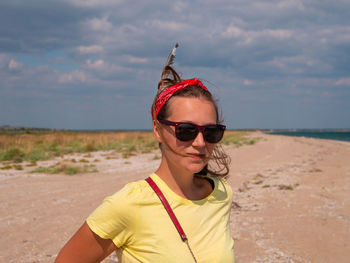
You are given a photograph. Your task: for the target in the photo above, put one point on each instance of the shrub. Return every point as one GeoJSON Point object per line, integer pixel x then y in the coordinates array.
{"type": "Point", "coordinates": [71, 170]}
{"type": "Point", "coordinates": [12, 154]}
{"type": "Point", "coordinates": [36, 155]}
{"type": "Point", "coordinates": [238, 139]}
{"type": "Point", "coordinates": [6, 167]}
{"type": "Point", "coordinates": [90, 147]}
{"type": "Point", "coordinates": [49, 170]}
{"type": "Point", "coordinates": [18, 167]}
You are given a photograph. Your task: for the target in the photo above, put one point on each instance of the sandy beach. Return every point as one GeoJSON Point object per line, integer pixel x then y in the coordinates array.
{"type": "Point", "coordinates": [291, 202]}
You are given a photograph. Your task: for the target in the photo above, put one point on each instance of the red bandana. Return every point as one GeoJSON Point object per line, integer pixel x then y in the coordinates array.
{"type": "Point", "coordinates": [165, 95]}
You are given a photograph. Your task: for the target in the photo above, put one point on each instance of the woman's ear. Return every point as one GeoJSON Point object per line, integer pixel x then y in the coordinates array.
{"type": "Point", "coordinates": [156, 131]}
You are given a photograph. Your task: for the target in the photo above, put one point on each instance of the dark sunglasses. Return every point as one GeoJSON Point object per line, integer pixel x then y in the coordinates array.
{"type": "Point", "coordinates": [185, 131]}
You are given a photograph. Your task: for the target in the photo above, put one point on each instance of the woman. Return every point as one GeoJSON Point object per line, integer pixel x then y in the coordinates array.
{"type": "Point", "coordinates": [136, 222]}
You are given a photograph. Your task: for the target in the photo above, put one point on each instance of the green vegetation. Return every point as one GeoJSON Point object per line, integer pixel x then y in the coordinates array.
{"type": "Point", "coordinates": [17, 167]}
{"type": "Point", "coordinates": [71, 170]}
{"type": "Point", "coordinates": [44, 145]}
{"type": "Point", "coordinates": [6, 167]}
{"type": "Point", "coordinates": [238, 138]}
{"type": "Point", "coordinates": [12, 154]}
{"type": "Point", "coordinates": [288, 187]}
{"type": "Point", "coordinates": [32, 163]}
{"type": "Point", "coordinates": [67, 169]}
{"type": "Point", "coordinates": [48, 170]}
{"type": "Point", "coordinates": [156, 157]}
{"type": "Point", "coordinates": [18, 147]}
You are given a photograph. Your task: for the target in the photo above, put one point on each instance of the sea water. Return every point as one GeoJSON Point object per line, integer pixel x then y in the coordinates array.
{"type": "Point", "coordinates": [320, 134]}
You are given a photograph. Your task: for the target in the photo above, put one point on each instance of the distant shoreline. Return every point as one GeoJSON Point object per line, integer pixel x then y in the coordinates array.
{"type": "Point", "coordinates": [13, 129]}
{"type": "Point", "coordinates": [7, 128]}
{"type": "Point", "coordinates": [335, 135]}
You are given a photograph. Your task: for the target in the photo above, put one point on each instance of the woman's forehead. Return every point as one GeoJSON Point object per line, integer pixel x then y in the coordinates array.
{"type": "Point", "coordinates": [188, 108]}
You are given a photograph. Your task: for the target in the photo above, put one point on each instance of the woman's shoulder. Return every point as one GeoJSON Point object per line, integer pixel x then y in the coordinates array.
{"type": "Point", "coordinates": [217, 180]}
{"type": "Point", "coordinates": [222, 187]}
{"type": "Point", "coordinates": [124, 200]}
{"type": "Point", "coordinates": [118, 212]}
{"type": "Point", "coordinates": [133, 191]}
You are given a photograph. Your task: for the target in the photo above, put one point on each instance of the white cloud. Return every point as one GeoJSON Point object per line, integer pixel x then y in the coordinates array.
{"type": "Point", "coordinates": [137, 60]}
{"type": "Point", "coordinates": [75, 76]}
{"type": "Point", "coordinates": [85, 50]}
{"type": "Point", "coordinates": [180, 6]}
{"type": "Point", "coordinates": [247, 82]}
{"type": "Point", "coordinates": [297, 64]}
{"type": "Point", "coordinates": [249, 36]}
{"type": "Point", "coordinates": [4, 59]}
{"type": "Point", "coordinates": [9, 63]}
{"type": "Point", "coordinates": [291, 4]}
{"type": "Point", "coordinates": [14, 64]}
{"type": "Point", "coordinates": [98, 64]}
{"type": "Point", "coordinates": [95, 3]}
{"type": "Point", "coordinates": [168, 25]}
{"type": "Point", "coordinates": [277, 33]}
{"type": "Point", "coordinates": [100, 70]}
{"type": "Point", "coordinates": [99, 24]}
{"type": "Point", "coordinates": [343, 82]}
{"type": "Point", "coordinates": [334, 34]}
{"type": "Point", "coordinates": [233, 32]}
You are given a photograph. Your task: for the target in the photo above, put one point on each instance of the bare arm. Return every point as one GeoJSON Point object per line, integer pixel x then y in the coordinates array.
{"type": "Point", "coordinates": [85, 246]}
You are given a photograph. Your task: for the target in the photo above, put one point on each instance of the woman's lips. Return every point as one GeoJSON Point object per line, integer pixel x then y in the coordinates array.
{"type": "Point", "coordinates": [197, 156]}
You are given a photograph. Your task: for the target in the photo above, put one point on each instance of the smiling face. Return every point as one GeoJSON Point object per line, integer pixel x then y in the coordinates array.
{"type": "Point", "coordinates": [190, 156]}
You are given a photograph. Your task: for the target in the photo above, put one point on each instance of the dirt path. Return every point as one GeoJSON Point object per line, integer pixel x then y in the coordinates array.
{"type": "Point", "coordinates": [292, 202]}
{"type": "Point", "coordinates": [294, 195]}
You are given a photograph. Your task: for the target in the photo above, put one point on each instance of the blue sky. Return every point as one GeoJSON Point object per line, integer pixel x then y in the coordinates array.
{"type": "Point", "coordinates": [95, 64]}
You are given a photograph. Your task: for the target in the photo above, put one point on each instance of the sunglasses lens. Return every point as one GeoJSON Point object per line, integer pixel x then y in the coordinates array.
{"type": "Point", "coordinates": [186, 132]}
{"type": "Point", "coordinates": [213, 133]}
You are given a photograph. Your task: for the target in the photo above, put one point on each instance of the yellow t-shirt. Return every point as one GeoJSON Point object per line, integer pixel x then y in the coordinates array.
{"type": "Point", "coordinates": [136, 221]}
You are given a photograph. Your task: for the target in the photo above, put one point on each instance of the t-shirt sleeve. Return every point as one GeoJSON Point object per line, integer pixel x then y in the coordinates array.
{"type": "Point", "coordinates": [229, 190]}
{"type": "Point", "coordinates": [224, 191]}
{"type": "Point", "coordinates": [116, 217]}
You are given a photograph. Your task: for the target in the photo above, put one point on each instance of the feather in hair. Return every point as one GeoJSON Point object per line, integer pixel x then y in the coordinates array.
{"type": "Point", "coordinates": [171, 56]}
{"type": "Point", "coordinates": [169, 76]}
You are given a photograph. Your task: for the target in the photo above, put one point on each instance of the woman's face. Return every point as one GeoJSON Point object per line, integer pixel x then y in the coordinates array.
{"type": "Point", "coordinates": [189, 156]}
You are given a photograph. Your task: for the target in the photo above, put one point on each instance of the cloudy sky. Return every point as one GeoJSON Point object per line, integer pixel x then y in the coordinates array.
{"type": "Point", "coordinates": [95, 64]}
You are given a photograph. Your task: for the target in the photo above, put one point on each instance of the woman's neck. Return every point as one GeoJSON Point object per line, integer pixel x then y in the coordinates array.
{"type": "Point", "coordinates": [183, 182]}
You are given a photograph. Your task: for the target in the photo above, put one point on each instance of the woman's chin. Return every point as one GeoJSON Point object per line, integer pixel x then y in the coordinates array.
{"type": "Point", "coordinates": [196, 168]}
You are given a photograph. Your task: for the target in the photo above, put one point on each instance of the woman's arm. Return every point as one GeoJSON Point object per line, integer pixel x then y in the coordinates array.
{"type": "Point", "coordinates": [85, 246]}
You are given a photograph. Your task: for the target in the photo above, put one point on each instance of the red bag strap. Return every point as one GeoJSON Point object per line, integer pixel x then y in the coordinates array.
{"type": "Point", "coordinates": [167, 208]}
{"type": "Point", "coordinates": [171, 214]}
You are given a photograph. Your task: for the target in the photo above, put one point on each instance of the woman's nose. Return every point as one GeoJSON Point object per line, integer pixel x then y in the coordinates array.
{"type": "Point", "coordinates": [199, 140]}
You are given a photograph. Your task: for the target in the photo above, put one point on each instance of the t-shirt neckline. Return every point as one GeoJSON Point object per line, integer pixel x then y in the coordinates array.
{"type": "Point", "coordinates": [169, 193]}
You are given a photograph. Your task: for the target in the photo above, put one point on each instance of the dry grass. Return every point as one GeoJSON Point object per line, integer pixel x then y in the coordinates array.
{"type": "Point", "coordinates": [43, 146]}
{"type": "Point", "coordinates": [18, 147]}
{"type": "Point", "coordinates": [238, 138]}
